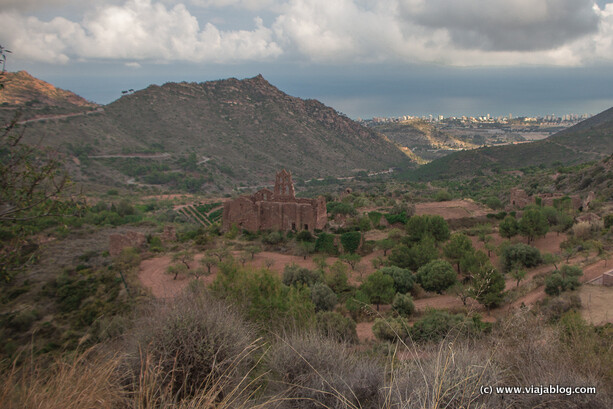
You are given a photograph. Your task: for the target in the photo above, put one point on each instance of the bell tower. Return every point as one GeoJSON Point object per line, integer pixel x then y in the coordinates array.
{"type": "Point", "coordinates": [284, 186]}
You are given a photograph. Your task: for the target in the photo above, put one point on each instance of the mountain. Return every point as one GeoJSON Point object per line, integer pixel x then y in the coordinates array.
{"type": "Point", "coordinates": [229, 132]}
{"type": "Point", "coordinates": [591, 139]}
{"type": "Point", "coordinates": [422, 138]}
{"type": "Point", "coordinates": [23, 89]}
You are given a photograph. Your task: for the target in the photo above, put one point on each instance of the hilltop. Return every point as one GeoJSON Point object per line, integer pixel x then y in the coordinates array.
{"type": "Point", "coordinates": [224, 132]}
{"type": "Point", "coordinates": [591, 139]}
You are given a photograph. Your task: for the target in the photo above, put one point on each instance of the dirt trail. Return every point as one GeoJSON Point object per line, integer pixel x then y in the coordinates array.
{"type": "Point", "coordinates": [60, 116]}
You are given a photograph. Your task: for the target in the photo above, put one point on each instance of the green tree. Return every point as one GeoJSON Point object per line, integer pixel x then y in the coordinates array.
{"type": "Point", "coordinates": [403, 278]}
{"type": "Point", "coordinates": [420, 226]}
{"type": "Point", "coordinates": [518, 273]}
{"type": "Point", "coordinates": [379, 288]}
{"type": "Point", "coordinates": [488, 287]}
{"type": "Point", "coordinates": [305, 248]}
{"type": "Point", "coordinates": [508, 227]}
{"type": "Point", "coordinates": [178, 269]}
{"type": "Point", "coordinates": [533, 224]}
{"type": "Point", "coordinates": [385, 245]}
{"type": "Point", "coordinates": [209, 261]}
{"type": "Point", "coordinates": [351, 241]}
{"type": "Point", "coordinates": [336, 278]}
{"type": "Point", "coordinates": [519, 254]}
{"type": "Point", "coordinates": [457, 247]}
{"type": "Point", "coordinates": [351, 259]}
{"type": "Point", "coordinates": [437, 275]}
{"type": "Point", "coordinates": [253, 250]}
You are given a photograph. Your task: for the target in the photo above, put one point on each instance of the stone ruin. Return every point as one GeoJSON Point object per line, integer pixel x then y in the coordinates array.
{"type": "Point", "coordinates": [275, 210]}
{"type": "Point", "coordinates": [118, 242]}
{"type": "Point", "coordinates": [519, 199]}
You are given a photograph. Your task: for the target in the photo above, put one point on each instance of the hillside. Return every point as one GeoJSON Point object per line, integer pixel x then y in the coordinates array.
{"type": "Point", "coordinates": [591, 139]}
{"type": "Point", "coordinates": [222, 133]}
{"type": "Point", "coordinates": [422, 138]}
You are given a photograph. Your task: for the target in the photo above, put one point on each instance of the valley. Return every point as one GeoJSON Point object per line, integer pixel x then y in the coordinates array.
{"type": "Point", "coordinates": [400, 264]}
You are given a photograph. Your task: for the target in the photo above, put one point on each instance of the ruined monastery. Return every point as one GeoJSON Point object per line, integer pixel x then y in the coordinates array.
{"type": "Point", "coordinates": [275, 210]}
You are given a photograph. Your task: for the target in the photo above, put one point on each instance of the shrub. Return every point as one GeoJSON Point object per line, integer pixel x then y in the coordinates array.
{"type": "Point", "coordinates": [493, 203]}
{"type": "Point", "coordinates": [391, 329]}
{"type": "Point", "coordinates": [436, 324]}
{"type": "Point", "coordinates": [608, 221]}
{"type": "Point", "coordinates": [310, 370]}
{"type": "Point", "coordinates": [334, 325]}
{"type": "Point", "coordinates": [295, 275]}
{"type": "Point", "coordinates": [325, 244]}
{"type": "Point", "coordinates": [442, 196]}
{"type": "Point", "coordinates": [351, 241]}
{"type": "Point", "coordinates": [323, 297]}
{"type": "Point", "coordinates": [555, 307]}
{"type": "Point", "coordinates": [305, 235]}
{"type": "Point", "coordinates": [519, 254]}
{"type": "Point", "coordinates": [357, 305]}
{"type": "Point", "coordinates": [334, 208]}
{"type": "Point", "coordinates": [273, 238]}
{"type": "Point", "coordinates": [566, 279]}
{"type": "Point", "coordinates": [437, 275]}
{"type": "Point", "coordinates": [403, 304]}
{"type": "Point", "coordinates": [195, 339]}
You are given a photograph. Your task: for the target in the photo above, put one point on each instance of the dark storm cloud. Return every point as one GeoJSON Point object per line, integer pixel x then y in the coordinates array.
{"type": "Point", "coordinates": [506, 25]}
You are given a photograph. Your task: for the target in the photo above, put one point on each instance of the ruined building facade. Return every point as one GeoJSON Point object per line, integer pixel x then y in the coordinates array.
{"type": "Point", "coordinates": [275, 210]}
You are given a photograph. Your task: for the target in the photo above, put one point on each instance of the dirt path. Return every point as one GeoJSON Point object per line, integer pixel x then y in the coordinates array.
{"type": "Point", "coordinates": [60, 116]}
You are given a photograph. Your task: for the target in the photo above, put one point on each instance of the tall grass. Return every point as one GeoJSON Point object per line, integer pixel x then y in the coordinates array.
{"type": "Point", "coordinates": [221, 363]}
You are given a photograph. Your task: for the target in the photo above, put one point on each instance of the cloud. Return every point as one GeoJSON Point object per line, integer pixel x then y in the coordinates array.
{"type": "Point", "coordinates": [505, 25]}
{"type": "Point", "coordinates": [136, 30]}
{"type": "Point", "coordinates": [133, 65]}
{"type": "Point", "coordinates": [450, 32]}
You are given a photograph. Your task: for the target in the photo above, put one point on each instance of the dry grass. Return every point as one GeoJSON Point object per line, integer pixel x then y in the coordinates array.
{"type": "Point", "coordinates": [306, 370]}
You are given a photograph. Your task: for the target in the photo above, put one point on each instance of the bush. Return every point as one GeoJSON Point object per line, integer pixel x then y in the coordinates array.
{"type": "Point", "coordinates": [195, 339]}
{"type": "Point", "coordinates": [391, 329]}
{"type": "Point", "coordinates": [311, 371]}
{"type": "Point", "coordinates": [519, 254]}
{"type": "Point", "coordinates": [357, 305]}
{"type": "Point", "coordinates": [442, 196]}
{"type": "Point", "coordinates": [351, 241]}
{"type": "Point", "coordinates": [436, 325]}
{"type": "Point", "coordinates": [334, 208]}
{"type": "Point", "coordinates": [437, 275]}
{"type": "Point", "coordinates": [305, 235]}
{"type": "Point", "coordinates": [554, 308]}
{"type": "Point", "coordinates": [273, 238]}
{"type": "Point", "coordinates": [508, 227]}
{"type": "Point", "coordinates": [325, 244]}
{"type": "Point", "coordinates": [566, 279]}
{"type": "Point", "coordinates": [403, 304]}
{"type": "Point", "coordinates": [334, 325]}
{"type": "Point", "coordinates": [323, 297]}
{"type": "Point", "coordinates": [297, 276]}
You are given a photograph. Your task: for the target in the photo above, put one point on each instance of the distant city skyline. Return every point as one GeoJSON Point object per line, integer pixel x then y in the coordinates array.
{"type": "Point", "coordinates": [365, 58]}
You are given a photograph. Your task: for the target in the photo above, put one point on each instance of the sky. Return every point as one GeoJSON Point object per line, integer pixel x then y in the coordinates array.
{"type": "Point", "coordinates": [364, 58]}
